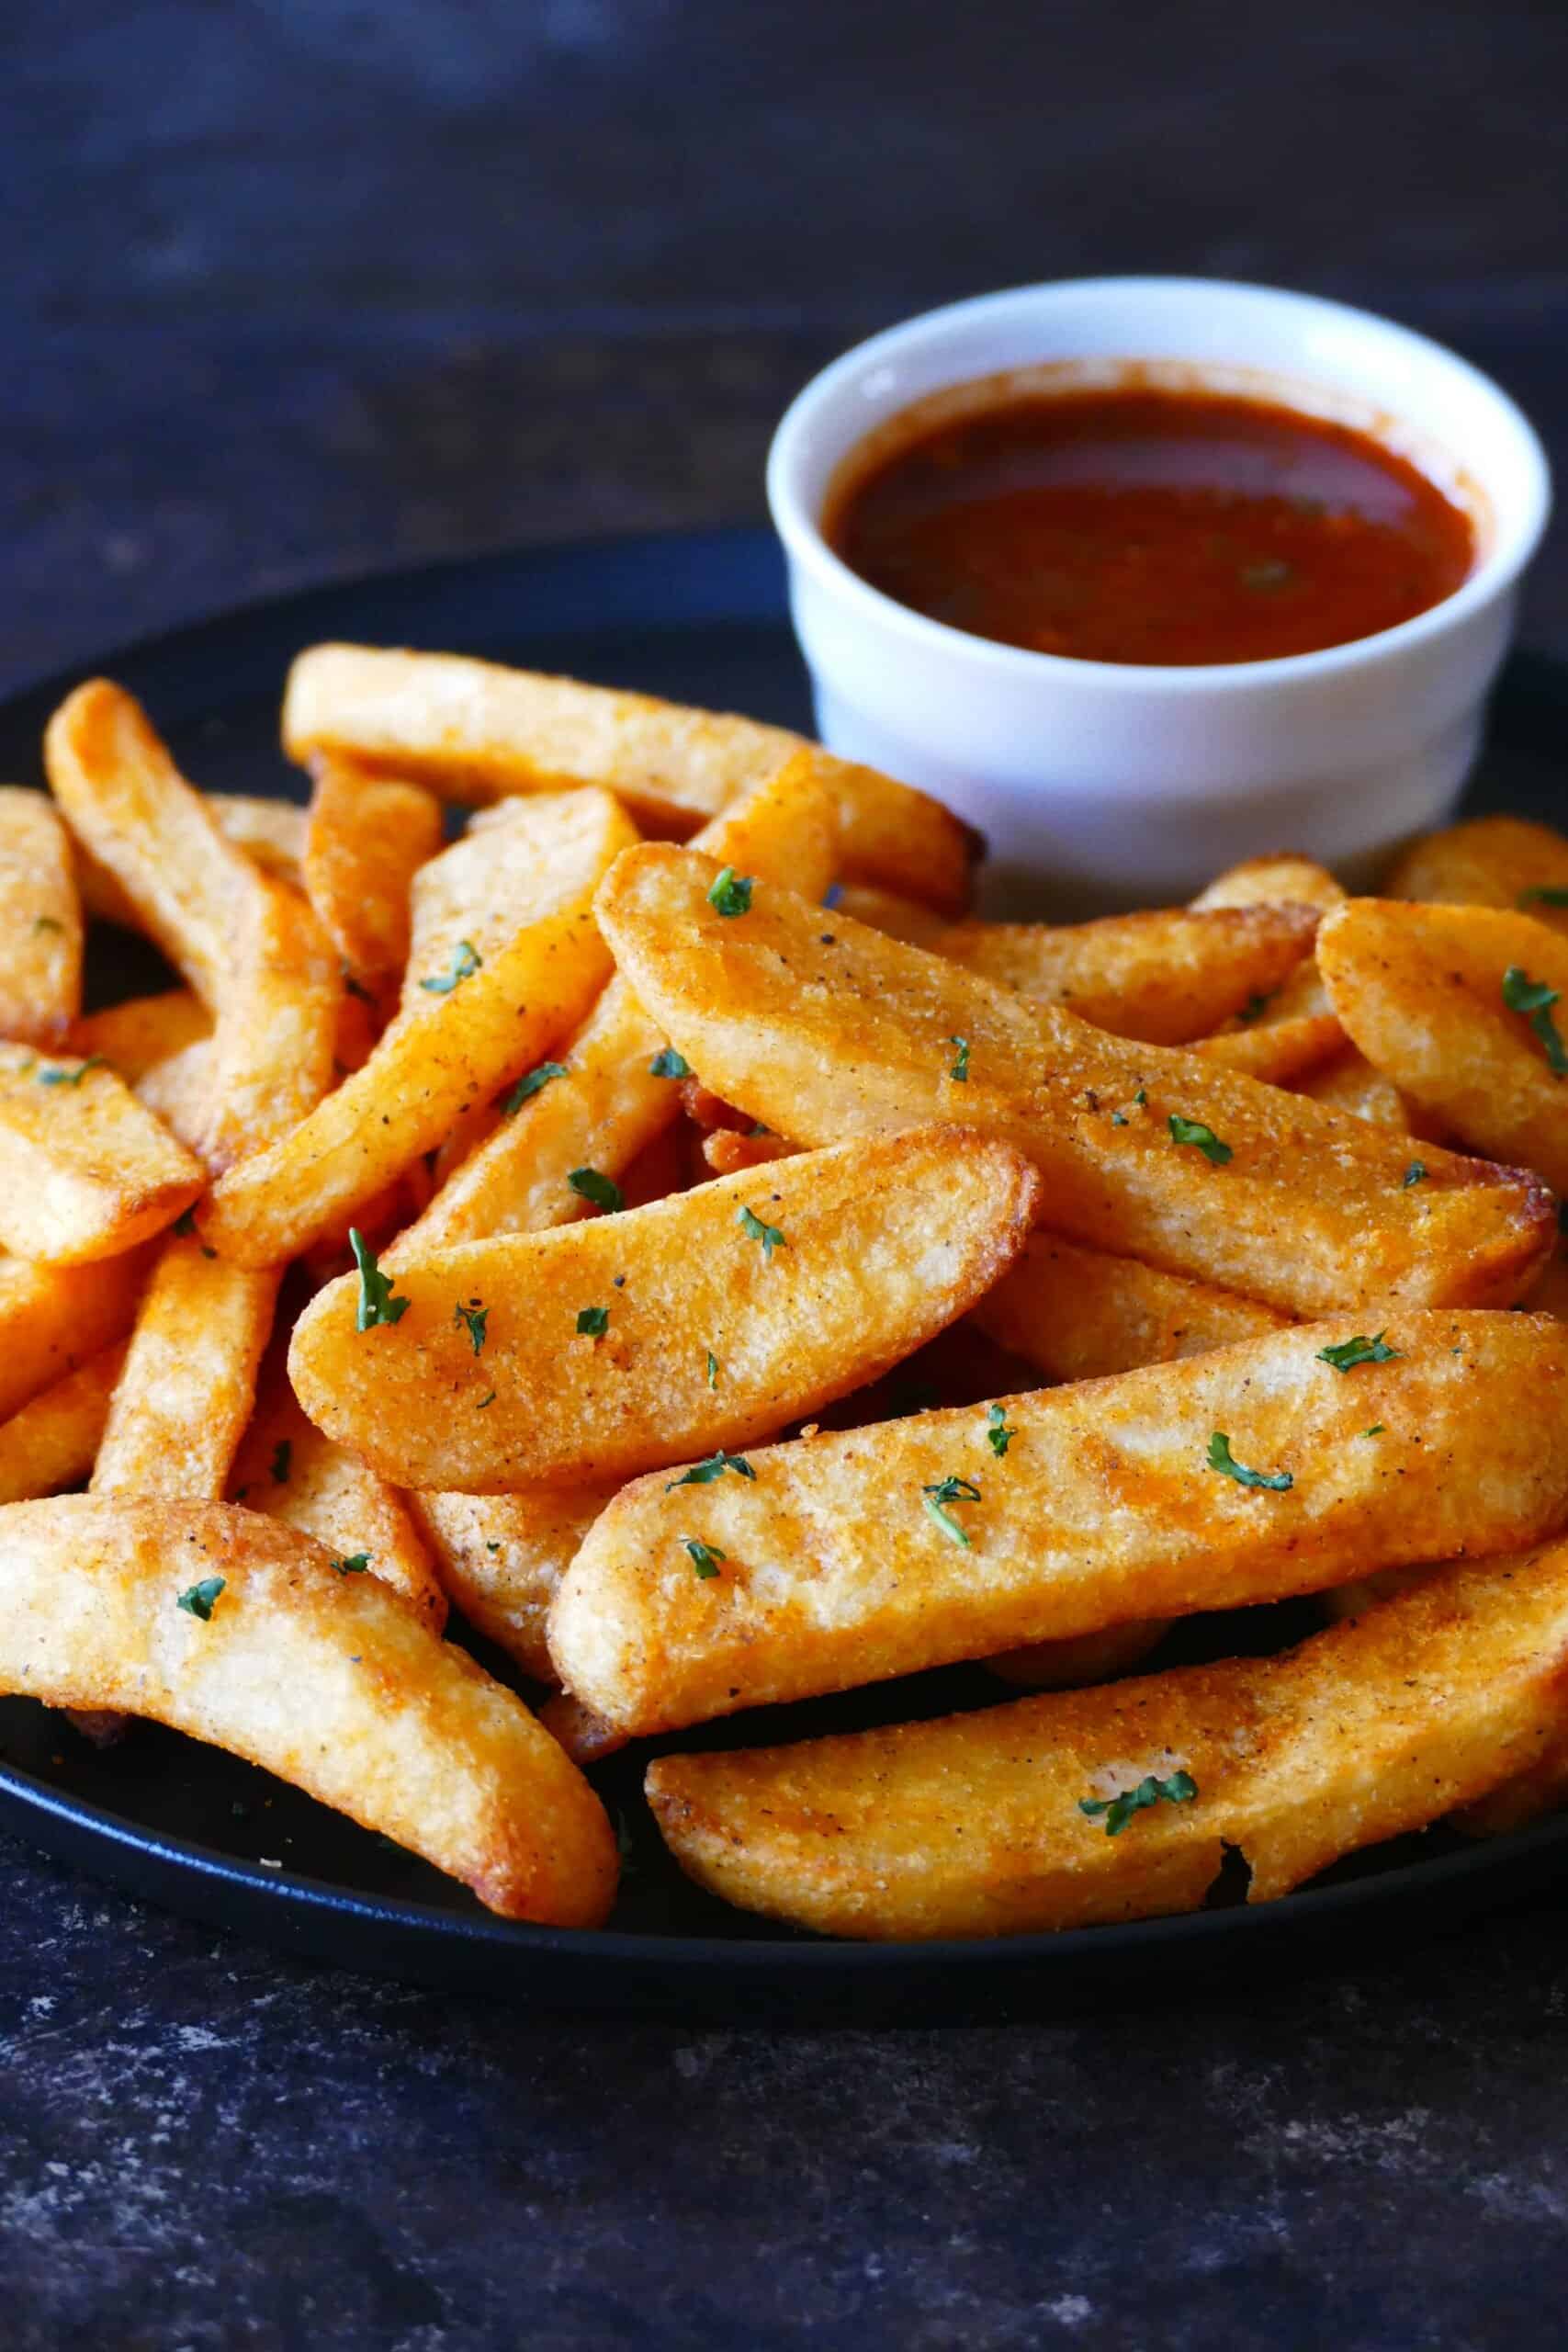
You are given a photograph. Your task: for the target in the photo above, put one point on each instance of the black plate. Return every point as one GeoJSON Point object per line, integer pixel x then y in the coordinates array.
{"type": "Point", "coordinates": [702, 618]}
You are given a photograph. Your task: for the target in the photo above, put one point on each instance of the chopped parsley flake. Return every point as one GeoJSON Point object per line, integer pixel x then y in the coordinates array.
{"type": "Point", "coordinates": [1179, 1789]}
{"type": "Point", "coordinates": [731, 892]}
{"type": "Point", "coordinates": [768, 1235]}
{"type": "Point", "coordinates": [1534, 997]}
{"type": "Point", "coordinates": [1141, 1097]}
{"type": "Point", "coordinates": [473, 1319]}
{"type": "Point", "coordinates": [713, 1369]}
{"type": "Point", "coordinates": [998, 1437]}
{"type": "Point", "coordinates": [1350, 1352]}
{"type": "Point", "coordinates": [46, 922]}
{"type": "Point", "coordinates": [705, 1557]}
{"type": "Point", "coordinates": [1193, 1131]}
{"type": "Point", "coordinates": [667, 1063]}
{"type": "Point", "coordinates": [703, 1473]}
{"type": "Point", "coordinates": [602, 1191]}
{"type": "Point", "coordinates": [960, 1070]}
{"type": "Point", "coordinates": [1277, 1482]}
{"type": "Point", "coordinates": [592, 1322]}
{"type": "Point", "coordinates": [529, 1084]}
{"type": "Point", "coordinates": [936, 1498]}
{"type": "Point", "coordinates": [1414, 1174]}
{"type": "Point", "coordinates": [57, 1074]}
{"type": "Point", "coordinates": [1548, 896]}
{"type": "Point", "coordinates": [351, 1564]}
{"type": "Point", "coordinates": [1376, 1429]}
{"type": "Point", "coordinates": [197, 1601]}
{"type": "Point", "coordinates": [376, 1303]}
{"type": "Point", "coordinates": [484, 1401]}
{"type": "Point", "coordinates": [466, 962]}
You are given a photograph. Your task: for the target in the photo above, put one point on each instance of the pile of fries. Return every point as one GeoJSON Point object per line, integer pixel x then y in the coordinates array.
{"type": "Point", "coordinates": [660, 1223]}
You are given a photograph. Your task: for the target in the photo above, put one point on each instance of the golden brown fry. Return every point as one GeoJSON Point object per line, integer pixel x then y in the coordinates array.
{"type": "Point", "coordinates": [271, 832]}
{"type": "Point", "coordinates": [1490, 862]}
{"type": "Point", "coordinates": [330, 1681]}
{"type": "Point", "coordinates": [1079, 1313]}
{"type": "Point", "coordinates": [1350, 1083]}
{"type": "Point", "coordinates": [1105, 1506]}
{"type": "Point", "coordinates": [501, 1556]}
{"type": "Point", "coordinates": [288, 1471]}
{"type": "Point", "coordinates": [524, 969]}
{"type": "Point", "coordinates": [188, 1385]}
{"type": "Point", "coordinates": [55, 1318]}
{"type": "Point", "coordinates": [1165, 977]}
{"type": "Point", "coordinates": [133, 1038]}
{"type": "Point", "coordinates": [729, 1154]}
{"type": "Point", "coordinates": [40, 920]}
{"type": "Point", "coordinates": [1284, 879]}
{"type": "Point", "coordinates": [474, 731]}
{"type": "Point", "coordinates": [888, 911]}
{"type": "Point", "coordinates": [586, 1737]}
{"type": "Point", "coordinates": [247, 943]}
{"type": "Point", "coordinates": [820, 1036]}
{"type": "Point", "coordinates": [85, 1172]}
{"type": "Point", "coordinates": [714, 1316]}
{"type": "Point", "coordinates": [53, 1441]}
{"type": "Point", "coordinates": [609, 1101]}
{"type": "Point", "coordinates": [367, 838]}
{"type": "Point", "coordinates": [1420, 989]}
{"type": "Point", "coordinates": [973, 1825]}
{"type": "Point", "coordinates": [178, 1092]}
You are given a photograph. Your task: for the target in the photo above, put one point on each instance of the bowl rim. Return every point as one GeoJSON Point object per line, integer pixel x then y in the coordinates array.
{"type": "Point", "coordinates": [800, 529]}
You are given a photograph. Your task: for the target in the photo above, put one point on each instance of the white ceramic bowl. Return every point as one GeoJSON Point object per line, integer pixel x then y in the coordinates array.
{"type": "Point", "coordinates": [1100, 783]}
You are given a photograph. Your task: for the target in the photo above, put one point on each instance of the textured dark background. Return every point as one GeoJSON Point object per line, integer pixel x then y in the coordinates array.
{"type": "Point", "coordinates": [295, 287]}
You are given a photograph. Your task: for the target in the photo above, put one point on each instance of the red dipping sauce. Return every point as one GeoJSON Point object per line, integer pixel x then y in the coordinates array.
{"type": "Point", "coordinates": [1151, 526]}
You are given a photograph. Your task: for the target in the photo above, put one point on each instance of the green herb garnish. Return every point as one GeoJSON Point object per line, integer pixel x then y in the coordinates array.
{"type": "Point", "coordinates": [46, 922]}
{"type": "Point", "coordinates": [667, 1063]}
{"type": "Point", "coordinates": [473, 1319]}
{"type": "Point", "coordinates": [197, 1601]}
{"type": "Point", "coordinates": [1350, 1352]}
{"type": "Point", "coordinates": [1193, 1131]}
{"type": "Point", "coordinates": [1413, 1175]}
{"type": "Point", "coordinates": [768, 1235]}
{"type": "Point", "coordinates": [528, 1085]}
{"type": "Point", "coordinates": [1376, 1429]}
{"type": "Point", "coordinates": [1548, 896]}
{"type": "Point", "coordinates": [1277, 1482]}
{"type": "Point", "coordinates": [731, 892]}
{"type": "Point", "coordinates": [484, 1401]}
{"type": "Point", "coordinates": [950, 1491]}
{"type": "Point", "coordinates": [602, 1191]}
{"type": "Point", "coordinates": [705, 1557]}
{"type": "Point", "coordinates": [1179, 1789]}
{"type": "Point", "coordinates": [376, 1303]}
{"type": "Point", "coordinates": [998, 1437]}
{"type": "Point", "coordinates": [56, 1074]}
{"type": "Point", "coordinates": [703, 1473]}
{"type": "Point", "coordinates": [466, 962]}
{"type": "Point", "coordinates": [352, 1564]}
{"type": "Point", "coordinates": [592, 1322]}
{"type": "Point", "coordinates": [960, 1070]}
{"type": "Point", "coordinates": [1521, 994]}
{"type": "Point", "coordinates": [713, 1369]}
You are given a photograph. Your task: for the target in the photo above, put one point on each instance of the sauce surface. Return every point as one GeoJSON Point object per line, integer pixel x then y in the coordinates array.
{"type": "Point", "coordinates": [1172, 527]}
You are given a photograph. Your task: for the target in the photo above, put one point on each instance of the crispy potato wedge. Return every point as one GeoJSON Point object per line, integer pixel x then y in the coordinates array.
{"type": "Point", "coordinates": [729, 1154]}
{"type": "Point", "coordinates": [1489, 862]}
{"type": "Point", "coordinates": [248, 944]}
{"type": "Point", "coordinates": [1276, 1053]}
{"type": "Point", "coordinates": [474, 731]}
{"type": "Point", "coordinates": [973, 1825]}
{"type": "Point", "coordinates": [189, 1380]}
{"type": "Point", "coordinates": [501, 1556]}
{"type": "Point", "coordinates": [725, 1311]}
{"type": "Point", "coordinates": [178, 1092]}
{"type": "Point", "coordinates": [823, 1034]}
{"type": "Point", "coordinates": [1420, 990]}
{"type": "Point", "coordinates": [40, 920]}
{"type": "Point", "coordinates": [888, 911]}
{"type": "Point", "coordinates": [1079, 1313]}
{"type": "Point", "coordinates": [366, 838]}
{"type": "Point", "coordinates": [287, 1470]}
{"type": "Point", "coordinates": [271, 832]}
{"type": "Point", "coordinates": [607, 1101]}
{"type": "Point", "coordinates": [1284, 879]}
{"type": "Point", "coordinates": [586, 1737]}
{"type": "Point", "coordinates": [330, 1681]}
{"type": "Point", "coordinates": [53, 1441]}
{"type": "Point", "coordinates": [1350, 1083]}
{"type": "Point", "coordinates": [517, 975]}
{"type": "Point", "coordinates": [55, 1318]}
{"type": "Point", "coordinates": [838, 1565]}
{"type": "Point", "coordinates": [1165, 977]}
{"type": "Point", "coordinates": [85, 1172]}
{"type": "Point", "coordinates": [135, 1036]}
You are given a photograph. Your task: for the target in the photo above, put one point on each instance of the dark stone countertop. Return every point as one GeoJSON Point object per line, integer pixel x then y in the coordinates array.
{"type": "Point", "coordinates": [305, 290]}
